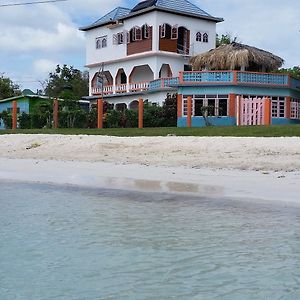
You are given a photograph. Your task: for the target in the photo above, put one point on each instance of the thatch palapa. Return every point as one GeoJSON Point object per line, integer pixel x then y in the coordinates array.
{"type": "Point", "coordinates": [236, 56]}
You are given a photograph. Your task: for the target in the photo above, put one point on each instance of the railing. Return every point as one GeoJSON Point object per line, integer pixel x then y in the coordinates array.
{"type": "Point", "coordinates": [295, 83]}
{"type": "Point", "coordinates": [262, 78]}
{"type": "Point", "coordinates": [136, 86]}
{"type": "Point", "coordinates": [121, 88]}
{"type": "Point", "coordinates": [163, 82]}
{"type": "Point", "coordinates": [139, 86]}
{"type": "Point", "coordinates": [207, 76]}
{"type": "Point", "coordinates": [238, 77]}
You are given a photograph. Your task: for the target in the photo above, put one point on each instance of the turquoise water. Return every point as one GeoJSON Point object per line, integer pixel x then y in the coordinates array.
{"type": "Point", "coordinates": [71, 243]}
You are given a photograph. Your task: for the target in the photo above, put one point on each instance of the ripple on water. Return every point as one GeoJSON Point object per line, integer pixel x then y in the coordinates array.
{"type": "Point", "coordinates": [71, 243]}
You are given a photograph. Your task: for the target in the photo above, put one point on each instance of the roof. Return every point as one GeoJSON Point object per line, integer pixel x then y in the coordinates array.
{"type": "Point", "coordinates": [183, 7]}
{"type": "Point", "coordinates": [236, 55]}
{"type": "Point", "coordinates": [113, 15]}
{"type": "Point", "coordinates": [23, 96]}
{"type": "Point", "coordinates": [28, 92]}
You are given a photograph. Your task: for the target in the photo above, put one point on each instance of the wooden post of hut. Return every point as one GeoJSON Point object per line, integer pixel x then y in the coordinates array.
{"type": "Point", "coordinates": [14, 114]}
{"type": "Point", "coordinates": [100, 113]}
{"type": "Point", "coordinates": [55, 113]}
{"type": "Point", "coordinates": [141, 112]}
{"type": "Point", "coordinates": [189, 112]}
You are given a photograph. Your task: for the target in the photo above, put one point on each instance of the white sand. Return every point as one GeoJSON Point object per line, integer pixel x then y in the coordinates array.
{"type": "Point", "coordinates": [266, 168]}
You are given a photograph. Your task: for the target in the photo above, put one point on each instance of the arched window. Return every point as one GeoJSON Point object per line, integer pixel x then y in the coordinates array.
{"type": "Point", "coordinates": [165, 31]}
{"type": "Point", "coordinates": [104, 42]}
{"type": "Point", "coordinates": [145, 31]}
{"type": "Point", "coordinates": [138, 33]}
{"type": "Point", "coordinates": [205, 38]}
{"type": "Point", "coordinates": [198, 37]}
{"type": "Point", "coordinates": [98, 43]}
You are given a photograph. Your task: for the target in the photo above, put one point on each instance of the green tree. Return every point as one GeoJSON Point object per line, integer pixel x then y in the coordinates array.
{"type": "Point", "coordinates": [294, 72]}
{"type": "Point", "coordinates": [8, 88]}
{"type": "Point", "coordinates": [71, 85]}
{"type": "Point", "coordinates": [225, 39]}
{"type": "Point", "coordinates": [67, 82]}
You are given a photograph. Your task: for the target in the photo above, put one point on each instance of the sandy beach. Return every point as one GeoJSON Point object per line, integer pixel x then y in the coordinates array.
{"type": "Point", "coordinates": [260, 168]}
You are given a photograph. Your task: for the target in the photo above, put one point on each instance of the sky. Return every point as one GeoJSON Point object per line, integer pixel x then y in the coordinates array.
{"type": "Point", "coordinates": [35, 38]}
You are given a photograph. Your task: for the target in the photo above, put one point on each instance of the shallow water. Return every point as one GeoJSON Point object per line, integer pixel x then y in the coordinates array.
{"type": "Point", "coordinates": [71, 243]}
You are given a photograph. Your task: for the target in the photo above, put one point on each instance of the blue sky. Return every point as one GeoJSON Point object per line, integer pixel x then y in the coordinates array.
{"type": "Point", "coordinates": [33, 39]}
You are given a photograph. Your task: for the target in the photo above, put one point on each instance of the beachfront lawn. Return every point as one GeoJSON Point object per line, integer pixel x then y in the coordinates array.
{"type": "Point", "coordinates": [247, 131]}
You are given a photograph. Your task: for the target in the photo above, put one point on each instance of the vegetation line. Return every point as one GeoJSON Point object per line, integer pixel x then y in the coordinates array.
{"type": "Point", "coordinates": [244, 131]}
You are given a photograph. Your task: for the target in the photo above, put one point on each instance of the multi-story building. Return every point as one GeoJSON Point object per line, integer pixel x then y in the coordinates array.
{"type": "Point", "coordinates": [139, 52]}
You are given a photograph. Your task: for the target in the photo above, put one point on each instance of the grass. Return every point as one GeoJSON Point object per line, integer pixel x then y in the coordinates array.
{"type": "Point", "coordinates": [243, 131]}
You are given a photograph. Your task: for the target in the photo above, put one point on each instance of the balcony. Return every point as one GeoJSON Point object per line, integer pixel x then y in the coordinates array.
{"type": "Point", "coordinates": [136, 86]}
{"type": "Point", "coordinates": [238, 78]}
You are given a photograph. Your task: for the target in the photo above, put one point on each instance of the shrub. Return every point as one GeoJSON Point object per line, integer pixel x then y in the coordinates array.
{"type": "Point", "coordinates": [24, 121]}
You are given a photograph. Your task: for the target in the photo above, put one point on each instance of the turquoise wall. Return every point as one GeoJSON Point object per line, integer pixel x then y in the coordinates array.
{"type": "Point", "coordinates": [215, 121]}
{"type": "Point", "coordinates": [284, 121]}
{"type": "Point", "coordinates": [235, 89]}
{"type": "Point", "coordinates": [23, 105]}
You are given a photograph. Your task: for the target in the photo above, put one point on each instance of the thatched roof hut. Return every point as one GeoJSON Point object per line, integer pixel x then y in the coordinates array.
{"type": "Point", "coordinates": [236, 56]}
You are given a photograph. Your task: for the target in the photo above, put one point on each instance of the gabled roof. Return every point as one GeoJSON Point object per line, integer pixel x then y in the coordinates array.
{"type": "Point", "coordinates": [182, 7]}
{"type": "Point", "coordinates": [112, 16]}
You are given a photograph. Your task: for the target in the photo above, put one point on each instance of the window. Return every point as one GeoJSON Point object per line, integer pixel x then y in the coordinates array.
{"type": "Point", "coordinates": [205, 38]}
{"type": "Point", "coordinates": [10, 110]}
{"type": "Point", "coordinates": [104, 43]}
{"type": "Point", "coordinates": [145, 32]}
{"type": "Point", "coordinates": [98, 44]}
{"type": "Point", "coordinates": [101, 42]}
{"type": "Point", "coordinates": [215, 105]}
{"type": "Point", "coordinates": [135, 34]}
{"type": "Point", "coordinates": [138, 33]}
{"type": "Point", "coordinates": [278, 107]}
{"type": "Point", "coordinates": [295, 109]}
{"type": "Point", "coordinates": [198, 37]}
{"type": "Point", "coordinates": [174, 32]}
{"type": "Point", "coordinates": [166, 31]}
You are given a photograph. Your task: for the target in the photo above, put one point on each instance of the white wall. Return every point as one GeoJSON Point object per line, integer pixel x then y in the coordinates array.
{"type": "Point", "coordinates": [112, 52]}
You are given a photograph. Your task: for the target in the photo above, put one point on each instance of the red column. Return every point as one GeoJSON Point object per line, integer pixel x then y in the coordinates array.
{"type": "Point", "coordinates": [179, 106]}
{"type": "Point", "coordinates": [141, 112]}
{"type": "Point", "coordinates": [14, 114]}
{"type": "Point", "coordinates": [232, 105]}
{"type": "Point", "coordinates": [55, 113]}
{"type": "Point", "coordinates": [267, 117]}
{"type": "Point", "coordinates": [100, 113]}
{"type": "Point", "coordinates": [189, 112]}
{"type": "Point", "coordinates": [288, 107]}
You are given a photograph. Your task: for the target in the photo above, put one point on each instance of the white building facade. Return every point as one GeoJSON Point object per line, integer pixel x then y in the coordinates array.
{"type": "Point", "coordinates": [139, 52]}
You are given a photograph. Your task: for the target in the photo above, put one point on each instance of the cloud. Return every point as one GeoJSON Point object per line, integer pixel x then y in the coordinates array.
{"type": "Point", "coordinates": [271, 24]}
{"type": "Point", "coordinates": [44, 66]}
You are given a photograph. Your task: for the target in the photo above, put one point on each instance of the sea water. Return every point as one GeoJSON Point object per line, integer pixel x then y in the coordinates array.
{"type": "Point", "coordinates": [72, 243]}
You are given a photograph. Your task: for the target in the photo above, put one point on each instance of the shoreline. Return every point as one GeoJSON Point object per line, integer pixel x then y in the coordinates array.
{"type": "Point", "coordinates": [254, 168]}
{"type": "Point", "coordinates": [281, 187]}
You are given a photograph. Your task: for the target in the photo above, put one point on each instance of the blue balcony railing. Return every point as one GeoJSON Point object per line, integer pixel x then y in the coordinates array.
{"type": "Point", "coordinates": [163, 82]}
{"type": "Point", "coordinates": [237, 77]}
{"type": "Point", "coordinates": [262, 78]}
{"type": "Point", "coordinates": [295, 83]}
{"type": "Point", "coordinates": [205, 76]}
